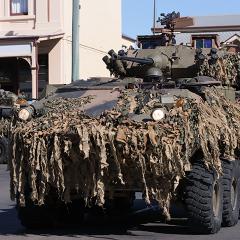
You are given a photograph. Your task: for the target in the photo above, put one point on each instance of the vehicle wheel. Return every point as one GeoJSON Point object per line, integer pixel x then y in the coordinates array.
{"type": "Point", "coordinates": [72, 213]}
{"type": "Point", "coordinates": [120, 205]}
{"type": "Point", "coordinates": [52, 214]}
{"type": "Point", "coordinates": [35, 217]}
{"type": "Point", "coordinates": [231, 198]}
{"type": "Point", "coordinates": [4, 152]}
{"type": "Point", "coordinates": [204, 199]}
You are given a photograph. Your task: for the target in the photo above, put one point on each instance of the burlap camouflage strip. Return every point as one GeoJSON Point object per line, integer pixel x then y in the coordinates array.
{"type": "Point", "coordinates": [225, 69]}
{"type": "Point", "coordinates": [4, 126]}
{"type": "Point", "coordinates": [71, 151]}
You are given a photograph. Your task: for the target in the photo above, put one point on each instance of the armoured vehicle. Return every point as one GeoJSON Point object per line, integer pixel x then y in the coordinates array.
{"type": "Point", "coordinates": [10, 103]}
{"type": "Point", "coordinates": [166, 125]}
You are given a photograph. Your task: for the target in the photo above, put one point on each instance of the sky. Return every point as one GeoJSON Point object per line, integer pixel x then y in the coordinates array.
{"type": "Point", "coordinates": [137, 15]}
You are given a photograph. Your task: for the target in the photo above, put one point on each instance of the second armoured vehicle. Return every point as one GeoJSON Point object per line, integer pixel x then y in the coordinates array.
{"type": "Point", "coordinates": [160, 127]}
{"type": "Point", "coordinates": [10, 103]}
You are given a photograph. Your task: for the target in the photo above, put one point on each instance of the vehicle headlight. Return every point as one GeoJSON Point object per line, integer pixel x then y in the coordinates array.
{"type": "Point", "coordinates": [25, 114]}
{"type": "Point", "coordinates": [22, 102]}
{"type": "Point", "coordinates": [158, 114]}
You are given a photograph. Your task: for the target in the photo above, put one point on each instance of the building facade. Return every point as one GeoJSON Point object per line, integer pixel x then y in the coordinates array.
{"type": "Point", "coordinates": [128, 42]}
{"type": "Point", "coordinates": [207, 31]}
{"type": "Point", "coordinates": [36, 41]}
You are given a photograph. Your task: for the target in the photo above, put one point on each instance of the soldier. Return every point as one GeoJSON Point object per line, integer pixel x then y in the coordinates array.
{"type": "Point", "coordinates": [201, 62]}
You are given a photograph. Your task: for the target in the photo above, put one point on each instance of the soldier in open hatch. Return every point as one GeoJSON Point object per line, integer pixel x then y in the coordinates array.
{"type": "Point", "coordinates": [159, 128]}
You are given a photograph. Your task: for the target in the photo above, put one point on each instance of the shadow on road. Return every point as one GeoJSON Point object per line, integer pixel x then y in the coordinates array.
{"type": "Point", "coordinates": [9, 225]}
{"type": "Point", "coordinates": [182, 229]}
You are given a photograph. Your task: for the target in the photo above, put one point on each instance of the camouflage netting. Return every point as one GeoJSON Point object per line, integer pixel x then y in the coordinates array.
{"type": "Point", "coordinates": [5, 125]}
{"type": "Point", "coordinates": [225, 68]}
{"type": "Point", "coordinates": [71, 151]}
{"type": "Point", "coordinates": [10, 102]}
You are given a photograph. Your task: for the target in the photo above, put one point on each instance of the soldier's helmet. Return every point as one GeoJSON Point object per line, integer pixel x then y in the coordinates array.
{"type": "Point", "coordinates": [153, 74]}
{"type": "Point", "coordinates": [213, 54]}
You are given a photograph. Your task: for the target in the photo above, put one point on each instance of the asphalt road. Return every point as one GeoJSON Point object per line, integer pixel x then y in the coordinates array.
{"type": "Point", "coordinates": [11, 229]}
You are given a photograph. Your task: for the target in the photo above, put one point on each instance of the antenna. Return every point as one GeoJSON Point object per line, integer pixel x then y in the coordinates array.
{"type": "Point", "coordinates": [154, 16]}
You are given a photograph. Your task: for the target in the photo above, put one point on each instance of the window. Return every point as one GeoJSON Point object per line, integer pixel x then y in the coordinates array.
{"type": "Point", "coordinates": [19, 7]}
{"type": "Point", "coordinates": [150, 44]}
{"type": "Point", "coordinates": [204, 43]}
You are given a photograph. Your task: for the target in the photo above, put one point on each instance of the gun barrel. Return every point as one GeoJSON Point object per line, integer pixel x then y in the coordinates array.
{"type": "Point", "coordinates": [147, 61]}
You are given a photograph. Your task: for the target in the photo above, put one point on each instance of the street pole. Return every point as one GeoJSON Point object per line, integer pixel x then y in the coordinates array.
{"type": "Point", "coordinates": [154, 16]}
{"type": "Point", "coordinates": [75, 40]}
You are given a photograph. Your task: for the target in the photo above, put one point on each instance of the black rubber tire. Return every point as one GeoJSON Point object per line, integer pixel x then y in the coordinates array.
{"type": "Point", "coordinates": [120, 205]}
{"type": "Point", "coordinates": [46, 216]}
{"type": "Point", "coordinates": [53, 213]}
{"type": "Point", "coordinates": [71, 213]}
{"type": "Point", "coordinates": [36, 217]}
{"type": "Point", "coordinates": [231, 193]}
{"type": "Point", "coordinates": [33, 216]}
{"type": "Point", "coordinates": [4, 151]}
{"type": "Point", "coordinates": [204, 199]}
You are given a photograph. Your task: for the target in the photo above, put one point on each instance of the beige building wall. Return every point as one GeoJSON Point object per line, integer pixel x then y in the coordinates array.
{"type": "Point", "coordinates": [100, 30]}
{"type": "Point", "coordinates": [44, 17]}
{"type": "Point", "coordinates": [44, 23]}
{"type": "Point", "coordinates": [50, 21]}
{"type": "Point", "coordinates": [127, 41]}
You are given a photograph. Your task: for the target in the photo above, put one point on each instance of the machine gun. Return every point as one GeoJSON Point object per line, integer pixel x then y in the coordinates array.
{"type": "Point", "coordinates": [121, 65]}
{"type": "Point", "coordinates": [124, 57]}
{"type": "Point", "coordinates": [169, 21]}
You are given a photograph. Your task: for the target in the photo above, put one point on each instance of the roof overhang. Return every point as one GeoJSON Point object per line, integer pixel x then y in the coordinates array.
{"type": "Point", "coordinates": [203, 29]}
{"type": "Point", "coordinates": [39, 37]}
{"type": "Point", "coordinates": [128, 38]}
{"type": "Point", "coordinates": [22, 45]}
{"type": "Point", "coordinates": [233, 38]}
{"type": "Point", "coordinates": [15, 50]}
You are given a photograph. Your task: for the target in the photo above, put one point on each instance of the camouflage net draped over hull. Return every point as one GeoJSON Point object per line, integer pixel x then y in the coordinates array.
{"type": "Point", "coordinates": [5, 124]}
{"type": "Point", "coordinates": [73, 152]}
{"type": "Point", "coordinates": [225, 69]}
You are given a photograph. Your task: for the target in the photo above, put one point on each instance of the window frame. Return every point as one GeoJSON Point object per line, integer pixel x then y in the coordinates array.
{"type": "Point", "coordinates": [204, 42]}
{"type": "Point", "coordinates": [18, 14]}
{"type": "Point", "coordinates": [203, 37]}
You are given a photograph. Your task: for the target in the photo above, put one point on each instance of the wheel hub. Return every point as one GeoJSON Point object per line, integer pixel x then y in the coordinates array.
{"type": "Point", "coordinates": [234, 193]}
{"type": "Point", "coordinates": [1, 150]}
{"type": "Point", "coordinates": [216, 199]}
